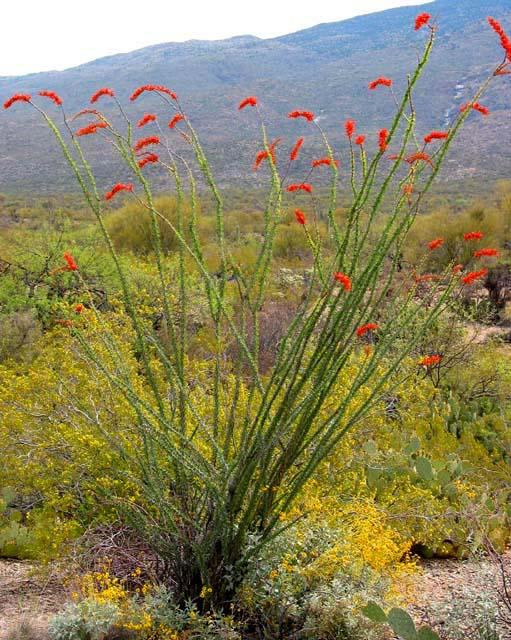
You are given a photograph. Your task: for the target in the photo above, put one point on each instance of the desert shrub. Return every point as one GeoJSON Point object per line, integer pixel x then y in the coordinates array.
{"type": "Point", "coordinates": [25, 630]}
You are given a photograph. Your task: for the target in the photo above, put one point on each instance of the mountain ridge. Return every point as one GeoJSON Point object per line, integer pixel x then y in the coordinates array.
{"type": "Point", "coordinates": [325, 68]}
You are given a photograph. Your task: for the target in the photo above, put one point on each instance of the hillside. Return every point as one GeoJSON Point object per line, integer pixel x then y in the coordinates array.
{"type": "Point", "coordinates": [325, 68]}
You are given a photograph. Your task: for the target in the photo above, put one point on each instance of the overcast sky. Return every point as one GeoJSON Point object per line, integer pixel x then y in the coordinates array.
{"type": "Point", "coordinates": [39, 35]}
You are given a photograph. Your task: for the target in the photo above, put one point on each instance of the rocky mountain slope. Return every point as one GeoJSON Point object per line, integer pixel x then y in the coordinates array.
{"type": "Point", "coordinates": [325, 69]}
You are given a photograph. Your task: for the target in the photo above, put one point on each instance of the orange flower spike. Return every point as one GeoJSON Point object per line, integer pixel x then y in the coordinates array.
{"type": "Point", "coordinates": [152, 87]}
{"type": "Point", "coordinates": [79, 308]}
{"type": "Point", "coordinates": [430, 361]}
{"type": "Point", "coordinates": [91, 128]}
{"type": "Point", "coordinates": [421, 20]}
{"type": "Point", "coordinates": [17, 97]}
{"type": "Point", "coordinates": [486, 253]}
{"type": "Point", "coordinates": [300, 216]}
{"type": "Point", "coordinates": [144, 142]}
{"type": "Point", "coordinates": [251, 101]}
{"type": "Point", "coordinates": [380, 82]}
{"type": "Point", "coordinates": [149, 158]}
{"type": "Point", "coordinates": [116, 188]}
{"type": "Point", "coordinates": [324, 162]}
{"type": "Point", "coordinates": [382, 140]}
{"type": "Point", "coordinates": [349, 127]}
{"type": "Point", "coordinates": [296, 149]}
{"type": "Point", "coordinates": [435, 244]}
{"type": "Point", "coordinates": [366, 328]}
{"type": "Point", "coordinates": [471, 277]}
{"type": "Point", "coordinates": [420, 156]}
{"type": "Point", "coordinates": [473, 235]}
{"type": "Point", "coordinates": [52, 96]}
{"type": "Point", "coordinates": [436, 135]}
{"type": "Point", "coordinates": [304, 186]}
{"type": "Point", "coordinates": [308, 115]}
{"type": "Point", "coordinates": [71, 264]}
{"type": "Point", "coordinates": [177, 118]}
{"type": "Point", "coordinates": [343, 279]}
{"type": "Point", "coordinates": [105, 91]}
{"type": "Point", "coordinates": [359, 140]}
{"type": "Point", "coordinates": [481, 109]}
{"type": "Point", "coordinates": [146, 119]}
{"type": "Point", "coordinates": [504, 39]}
{"type": "Point", "coordinates": [260, 156]}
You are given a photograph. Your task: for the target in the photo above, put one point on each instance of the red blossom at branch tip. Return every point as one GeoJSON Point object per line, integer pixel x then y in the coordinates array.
{"type": "Point", "coordinates": [349, 127]}
{"type": "Point", "coordinates": [473, 235]}
{"type": "Point", "coordinates": [421, 20]}
{"type": "Point", "coordinates": [308, 115]}
{"type": "Point", "coordinates": [144, 142]}
{"type": "Point", "coordinates": [147, 159]}
{"type": "Point", "coordinates": [79, 308]}
{"type": "Point", "coordinates": [343, 279]}
{"type": "Point", "coordinates": [17, 97]}
{"type": "Point", "coordinates": [436, 135]}
{"type": "Point", "coordinates": [430, 361]}
{"type": "Point", "coordinates": [476, 106]}
{"type": "Point", "coordinates": [416, 157]}
{"type": "Point", "coordinates": [91, 128]}
{"type": "Point", "coordinates": [471, 277]}
{"type": "Point", "coordinates": [159, 88]}
{"type": "Point", "coordinates": [251, 101]}
{"type": "Point", "coordinates": [504, 39]}
{"type": "Point", "coordinates": [303, 186]}
{"type": "Point", "coordinates": [300, 216]}
{"type": "Point", "coordinates": [52, 96]}
{"type": "Point", "coordinates": [146, 119]}
{"type": "Point", "coordinates": [260, 156]}
{"type": "Point", "coordinates": [296, 149]}
{"type": "Point", "coordinates": [177, 118]}
{"type": "Point", "coordinates": [382, 140]}
{"type": "Point", "coordinates": [435, 244]}
{"type": "Point", "coordinates": [380, 82]}
{"type": "Point", "coordinates": [486, 253]}
{"type": "Point", "coordinates": [116, 188]}
{"type": "Point", "coordinates": [366, 328]}
{"type": "Point", "coordinates": [360, 140]}
{"type": "Point", "coordinates": [324, 162]}
{"type": "Point", "coordinates": [71, 264]}
{"type": "Point", "coordinates": [104, 91]}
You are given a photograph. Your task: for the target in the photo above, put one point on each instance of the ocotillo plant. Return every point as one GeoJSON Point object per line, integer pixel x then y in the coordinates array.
{"type": "Point", "coordinates": [214, 479]}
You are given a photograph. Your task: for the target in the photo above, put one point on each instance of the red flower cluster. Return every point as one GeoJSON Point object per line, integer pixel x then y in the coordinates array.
{"type": "Point", "coordinates": [504, 40]}
{"type": "Point", "coordinates": [303, 186]}
{"type": "Point", "coordinates": [251, 101]}
{"type": "Point", "coordinates": [308, 115]}
{"type": "Point", "coordinates": [52, 96]}
{"type": "Point", "coordinates": [486, 253]}
{"type": "Point", "coordinates": [360, 140]}
{"type": "Point", "coordinates": [152, 87]}
{"type": "Point", "coordinates": [471, 277]}
{"type": "Point", "coordinates": [144, 142]}
{"type": "Point", "coordinates": [300, 216]}
{"type": "Point", "coordinates": [91, 128]}
{"type": "Point", "coordinates": [476, 106]}
{"type": "Point", "coordinates": [416, 157]}
{"type": "Point", "coordinates": [17, 97]}
{"type": "Point", "coordinates": [366, 328]}
{"type": "Point", "coordinates": [430, 361]}
{"type": "Point", "coordinates": [146, 118]}
{"type": "Point", "coordinates": [260, 156]}
{"type": "Point", "coordinates": [71, 264]}
{"type": "Point", "coordinates": [436, 135]}
{"type": "Point", "coordinates": [83, 112]}
{"type": "Point", "coordinates": [147, 159]}
{"type": "Point", "coordinates": [104, 91]}
{"type": "Point", "coordinates": [382, 140]}
{"type": "Point", "coordinates": [350, 126]}
{"type": "Point", "coordinates": [473, 235]}
{"type": "Point", "coordinates": [408, 189]}
{"type": "Point", "coordinates": [435, 244]}
{"type": "Point", "coordinates": [296, 149]}
{"type": "Point", "coordinates": [421, 20]}
{"type": "Point", "coordinates": [79, 308]}
{"type": "Point", "coordinates": [343, 279]}
{"type": "Point", "coordinates": [324, 162]}
{"type": "Point", "coordinates": [116, 188]}
{"type": "Point", "coordinates": [177, 118]}
{"type": "Point", "coordinates": [380, 82]}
